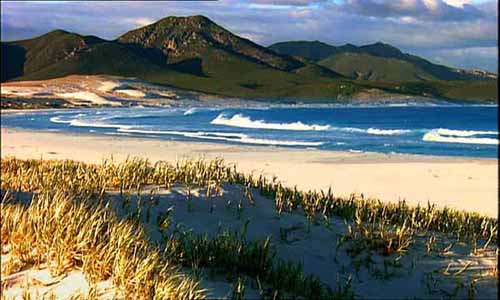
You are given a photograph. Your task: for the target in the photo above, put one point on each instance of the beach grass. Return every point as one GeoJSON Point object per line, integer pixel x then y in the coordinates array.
{"type": "Point", "coordinates": [86, 180]}
{"type": "Point", "coordinates": [55, 215]}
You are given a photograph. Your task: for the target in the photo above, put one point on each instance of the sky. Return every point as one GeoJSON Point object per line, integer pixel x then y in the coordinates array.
{"type": "Point", "coordinates": [458, 33]}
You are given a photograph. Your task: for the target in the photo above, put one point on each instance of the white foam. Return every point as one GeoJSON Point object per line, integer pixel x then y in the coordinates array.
{"type": "Point", "coordinates": [398, 104]}
{"type": "Point", "coordinates": [190, 111]}
{"type": "Point", "coordinates": [81, 123]}
{"type": "Point", "coordinates": [435, 136]}
{"type": "Point", "coordinates": [386, 131]}
{"type": "Point", "coordinates": [131, 93]}
{"type": "Point", "coordinates": [350, 129]}
{"type": "Point", "coordinates": [89, 97]}
{"type": "Point", "coordinates": [355, 151]}
{"type": "Point", "coordinates": [464, 133]}
{"type": "Point", "coordinates": [374, 131]}
{"type": "Point", "coordinates": [230, 137]}
{"type": "Point", "coordinates": [242, 121]}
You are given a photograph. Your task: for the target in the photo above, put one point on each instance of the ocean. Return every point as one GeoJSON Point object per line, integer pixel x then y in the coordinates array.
{"type": "Point", "coordinates": [441, 130]}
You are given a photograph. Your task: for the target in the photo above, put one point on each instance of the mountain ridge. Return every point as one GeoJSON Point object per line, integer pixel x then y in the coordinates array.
{"type": "Point", "coordinates": [319, 51]}
{"type": "Point", "coordinates": [195, 53]}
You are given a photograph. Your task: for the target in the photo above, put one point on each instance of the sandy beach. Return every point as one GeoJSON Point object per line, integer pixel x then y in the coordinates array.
{"type": "Point", "coordinates": [461, 183]}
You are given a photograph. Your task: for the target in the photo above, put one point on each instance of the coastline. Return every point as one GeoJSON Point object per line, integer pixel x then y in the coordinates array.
{"type": "Point", "coordinates": [462, 183]}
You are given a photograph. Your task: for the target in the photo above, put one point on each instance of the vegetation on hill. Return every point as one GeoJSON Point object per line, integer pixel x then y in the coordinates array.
{"type": "Point", "coordinates": [181, 38]}
{"type": "Point", "coordinates": [379, 58]}
{"type": "Point", "coordinates": [368, 67]}
{"type": "Point", "coordinates": [196, 54]}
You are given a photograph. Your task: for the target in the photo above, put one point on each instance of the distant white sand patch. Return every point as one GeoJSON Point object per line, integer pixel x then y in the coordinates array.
{"type": "Point", "coordinates": [17, 91]}
{"type": "Point", "coordinates": [88, 96]}
{"type": "Point", "coordinates": [168, 94]}
{"type": "Point", "coordinates": [108, 86]}
{"type": "Point", "coordinates": [131, 93]}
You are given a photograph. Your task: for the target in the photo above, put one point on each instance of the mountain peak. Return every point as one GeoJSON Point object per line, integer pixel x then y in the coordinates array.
{"type": "Point", "coordinates": [198, 20]}
{"type": "Point", "coordinates": [187, 38]}
{"type": "Point", "coordinates": [58, 32]}
{"type": "Point", "coordinates": [382, 49]}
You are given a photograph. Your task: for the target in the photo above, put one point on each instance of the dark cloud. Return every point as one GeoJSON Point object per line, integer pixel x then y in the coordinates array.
{"type": "Point", "coordinates": [330, 22]}
{"type": "Point", "coordinates": [287, 2]}
{"type": "Point", "coordinates": [428, 10]}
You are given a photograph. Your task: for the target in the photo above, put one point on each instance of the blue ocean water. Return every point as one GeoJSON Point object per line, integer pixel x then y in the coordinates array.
{"type": "Point", "coordinates": [470, 131]}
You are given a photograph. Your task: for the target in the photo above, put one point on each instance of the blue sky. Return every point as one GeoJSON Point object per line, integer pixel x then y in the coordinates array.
{"type": "Point", "coordinates": [460, 33]}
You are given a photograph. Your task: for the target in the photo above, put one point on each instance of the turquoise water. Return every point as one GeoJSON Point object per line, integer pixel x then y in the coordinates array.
{"type": "Point", "coordinates": [470, 131]}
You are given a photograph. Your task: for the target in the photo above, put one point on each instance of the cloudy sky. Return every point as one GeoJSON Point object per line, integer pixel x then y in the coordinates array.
{"type": "Point", "coordinates": [460, 33]}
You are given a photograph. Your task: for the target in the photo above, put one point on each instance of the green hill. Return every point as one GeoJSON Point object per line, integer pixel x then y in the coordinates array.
{"type": "Point", "coordinates": [196, 54]}
{"type": "Point", "coordinates": [380, 58]}
{"type": "Point", "coordinates": [181, 38]}
{"type": "Point", "coordinates": [313, 51]}
{"type": "Point", "coordinates": [368, 67]}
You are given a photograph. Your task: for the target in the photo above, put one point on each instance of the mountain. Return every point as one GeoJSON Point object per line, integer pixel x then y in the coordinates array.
{"type": "Point", "coordinates": [313, 51]}
{"type": "Point", "coordinates": [363, 66]}
{"type": "Point", "coordinates": [60, 53]}
{"type": "Point", "coordinates": [194, 53]}
{"type": "Point", "coordinates": [378, 62]}
{"type": "Point", "coordinates": [189, 38]}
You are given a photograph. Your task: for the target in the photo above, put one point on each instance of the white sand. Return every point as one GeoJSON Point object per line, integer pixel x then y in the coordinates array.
{"type": "Point", "coordinates": [441, 180]}
{"type": "Point", "coordinates": [462, 183]}
{"type": "Point", "coordinates": [19, 91]}
{"type": "Point", "coordinates": [89, 97]}
{"type": "Point", "coordinates": [107, 86]}
{"type": "Point", "coordinates": [131, 93]}
{"type": "Point", "coordinates": [316, 249]}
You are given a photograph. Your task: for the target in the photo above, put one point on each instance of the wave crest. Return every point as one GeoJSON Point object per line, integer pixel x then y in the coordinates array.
{"type": "Point", "coordinates": [230, 137]}
{"type": "Point", "coordinates": [386, 131]}
{"type": "Point", "coordinates": [191, 111]}
{"type": "Point", "coordinates": [464, 133]}
{"type": "Point", "coordinates": [80, 123]}
{"type": "Point", "coordinates": [436, 136]}
{"type": "Point", "coordinates": [242, 121]}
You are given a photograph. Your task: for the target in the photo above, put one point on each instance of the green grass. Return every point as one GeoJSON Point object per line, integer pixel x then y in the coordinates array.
{"type": "Point", "coordinates": [375, 68]}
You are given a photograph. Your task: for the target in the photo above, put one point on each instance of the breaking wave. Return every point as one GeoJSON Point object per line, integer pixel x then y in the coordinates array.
{"type": "Point", "coordinates": [80, 123]}
{"type": "Point", "coordinates": [374, 131]}
{"type": "Point", "coordinates": [230, 137]}
{"type": "Point", "coordinates": [459, 136]}
{"type": "Point", "coordinates": [386, 131]}
{"type": "Point", "coordinates": [242, 121]}
{"type": "Point", "coordinates": [464, 133]}
{"type": "Point", "coordinates": [190, 111]}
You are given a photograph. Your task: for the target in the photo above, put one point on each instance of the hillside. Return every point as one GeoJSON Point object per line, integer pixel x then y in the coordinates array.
{"type": "Point", "coordinates": [194, 53]}
{"type": "Point", "coordinates": [313, 51]}
{"type": "Point", "coordinates": [368, 67]}
{"type": "Point", "coordinates": [383, 60]}
{"type": "Point", "coordinates": [188, 38]}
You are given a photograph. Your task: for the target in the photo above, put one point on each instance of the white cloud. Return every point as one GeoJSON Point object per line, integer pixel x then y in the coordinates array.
{"type": "Point", "coordinates": [143, 21]}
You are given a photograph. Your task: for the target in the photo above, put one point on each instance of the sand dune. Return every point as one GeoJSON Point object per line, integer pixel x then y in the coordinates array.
{"type": "Point", "coordinates": [89, 97]}
{"type": "Point", "coordinates": [469, 184]}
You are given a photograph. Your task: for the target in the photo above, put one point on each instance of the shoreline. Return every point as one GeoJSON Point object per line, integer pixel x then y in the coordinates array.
{"type": "Point", "coordinates": [458, 182]}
